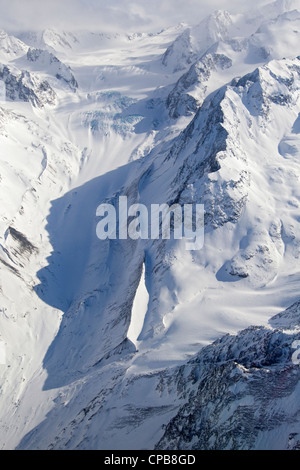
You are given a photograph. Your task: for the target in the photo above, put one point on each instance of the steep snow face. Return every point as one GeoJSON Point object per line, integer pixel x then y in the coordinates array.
{"type": "Point", "coordinates": [194, 41]}
{"type": "Point", "coordinates": [107, 334]}
{"type": "Point", "coordinates": [46, 60]}
{"type": "Point", "coordinates": [213, 29]}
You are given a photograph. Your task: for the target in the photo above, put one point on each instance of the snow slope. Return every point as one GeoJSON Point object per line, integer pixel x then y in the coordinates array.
{"type": "Point", "coordinates": [120, 343]}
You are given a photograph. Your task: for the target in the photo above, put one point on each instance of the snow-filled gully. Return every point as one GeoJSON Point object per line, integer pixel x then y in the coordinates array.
{"type": "Point", "coordinates": [139, 310]}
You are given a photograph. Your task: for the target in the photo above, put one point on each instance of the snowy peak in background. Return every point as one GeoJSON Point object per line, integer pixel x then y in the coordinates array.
{"type": "Point", "coordinates": [44, 60]}
{"type": "Point", "coordinates": [11, 47]}
{"type": "Point", "coordinates": [214, 28]}
{"type": "Point", "coordinates": [195, 41]}
{"type": "Point", "coordinates": [273, 35]}
{"type": "Point", "coordinates": [278, 7]}
{"type": "Point", "coordinates": [49, 39]}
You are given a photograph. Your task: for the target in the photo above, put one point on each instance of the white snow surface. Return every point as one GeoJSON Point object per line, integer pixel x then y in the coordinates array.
{"type": "Point", "coordinates": [88, 323]}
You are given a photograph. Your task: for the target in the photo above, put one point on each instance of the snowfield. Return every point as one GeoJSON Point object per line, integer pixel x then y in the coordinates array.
{"type": "Point", "coordinates": [141, 344]}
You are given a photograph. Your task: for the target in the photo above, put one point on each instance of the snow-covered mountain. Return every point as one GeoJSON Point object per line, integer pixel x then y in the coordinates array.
{"type": "Point", "coordinates": [141, 344]}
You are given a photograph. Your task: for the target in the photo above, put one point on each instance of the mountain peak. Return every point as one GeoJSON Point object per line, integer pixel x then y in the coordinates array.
{"type": "Point", "coordinates": [139, 337]}
{"type": "Point", "coordinates": [11, 46]}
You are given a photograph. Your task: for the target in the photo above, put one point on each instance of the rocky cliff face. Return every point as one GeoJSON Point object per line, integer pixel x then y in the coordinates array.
{"type": "Point", "coordinates": [46, 60]}
{"type": "Point", "coordinates": [27, 87]}
{"type": "Point", "coordinates": [180, 101]}
{"type": "Point", "coordinates": [242, 392]}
